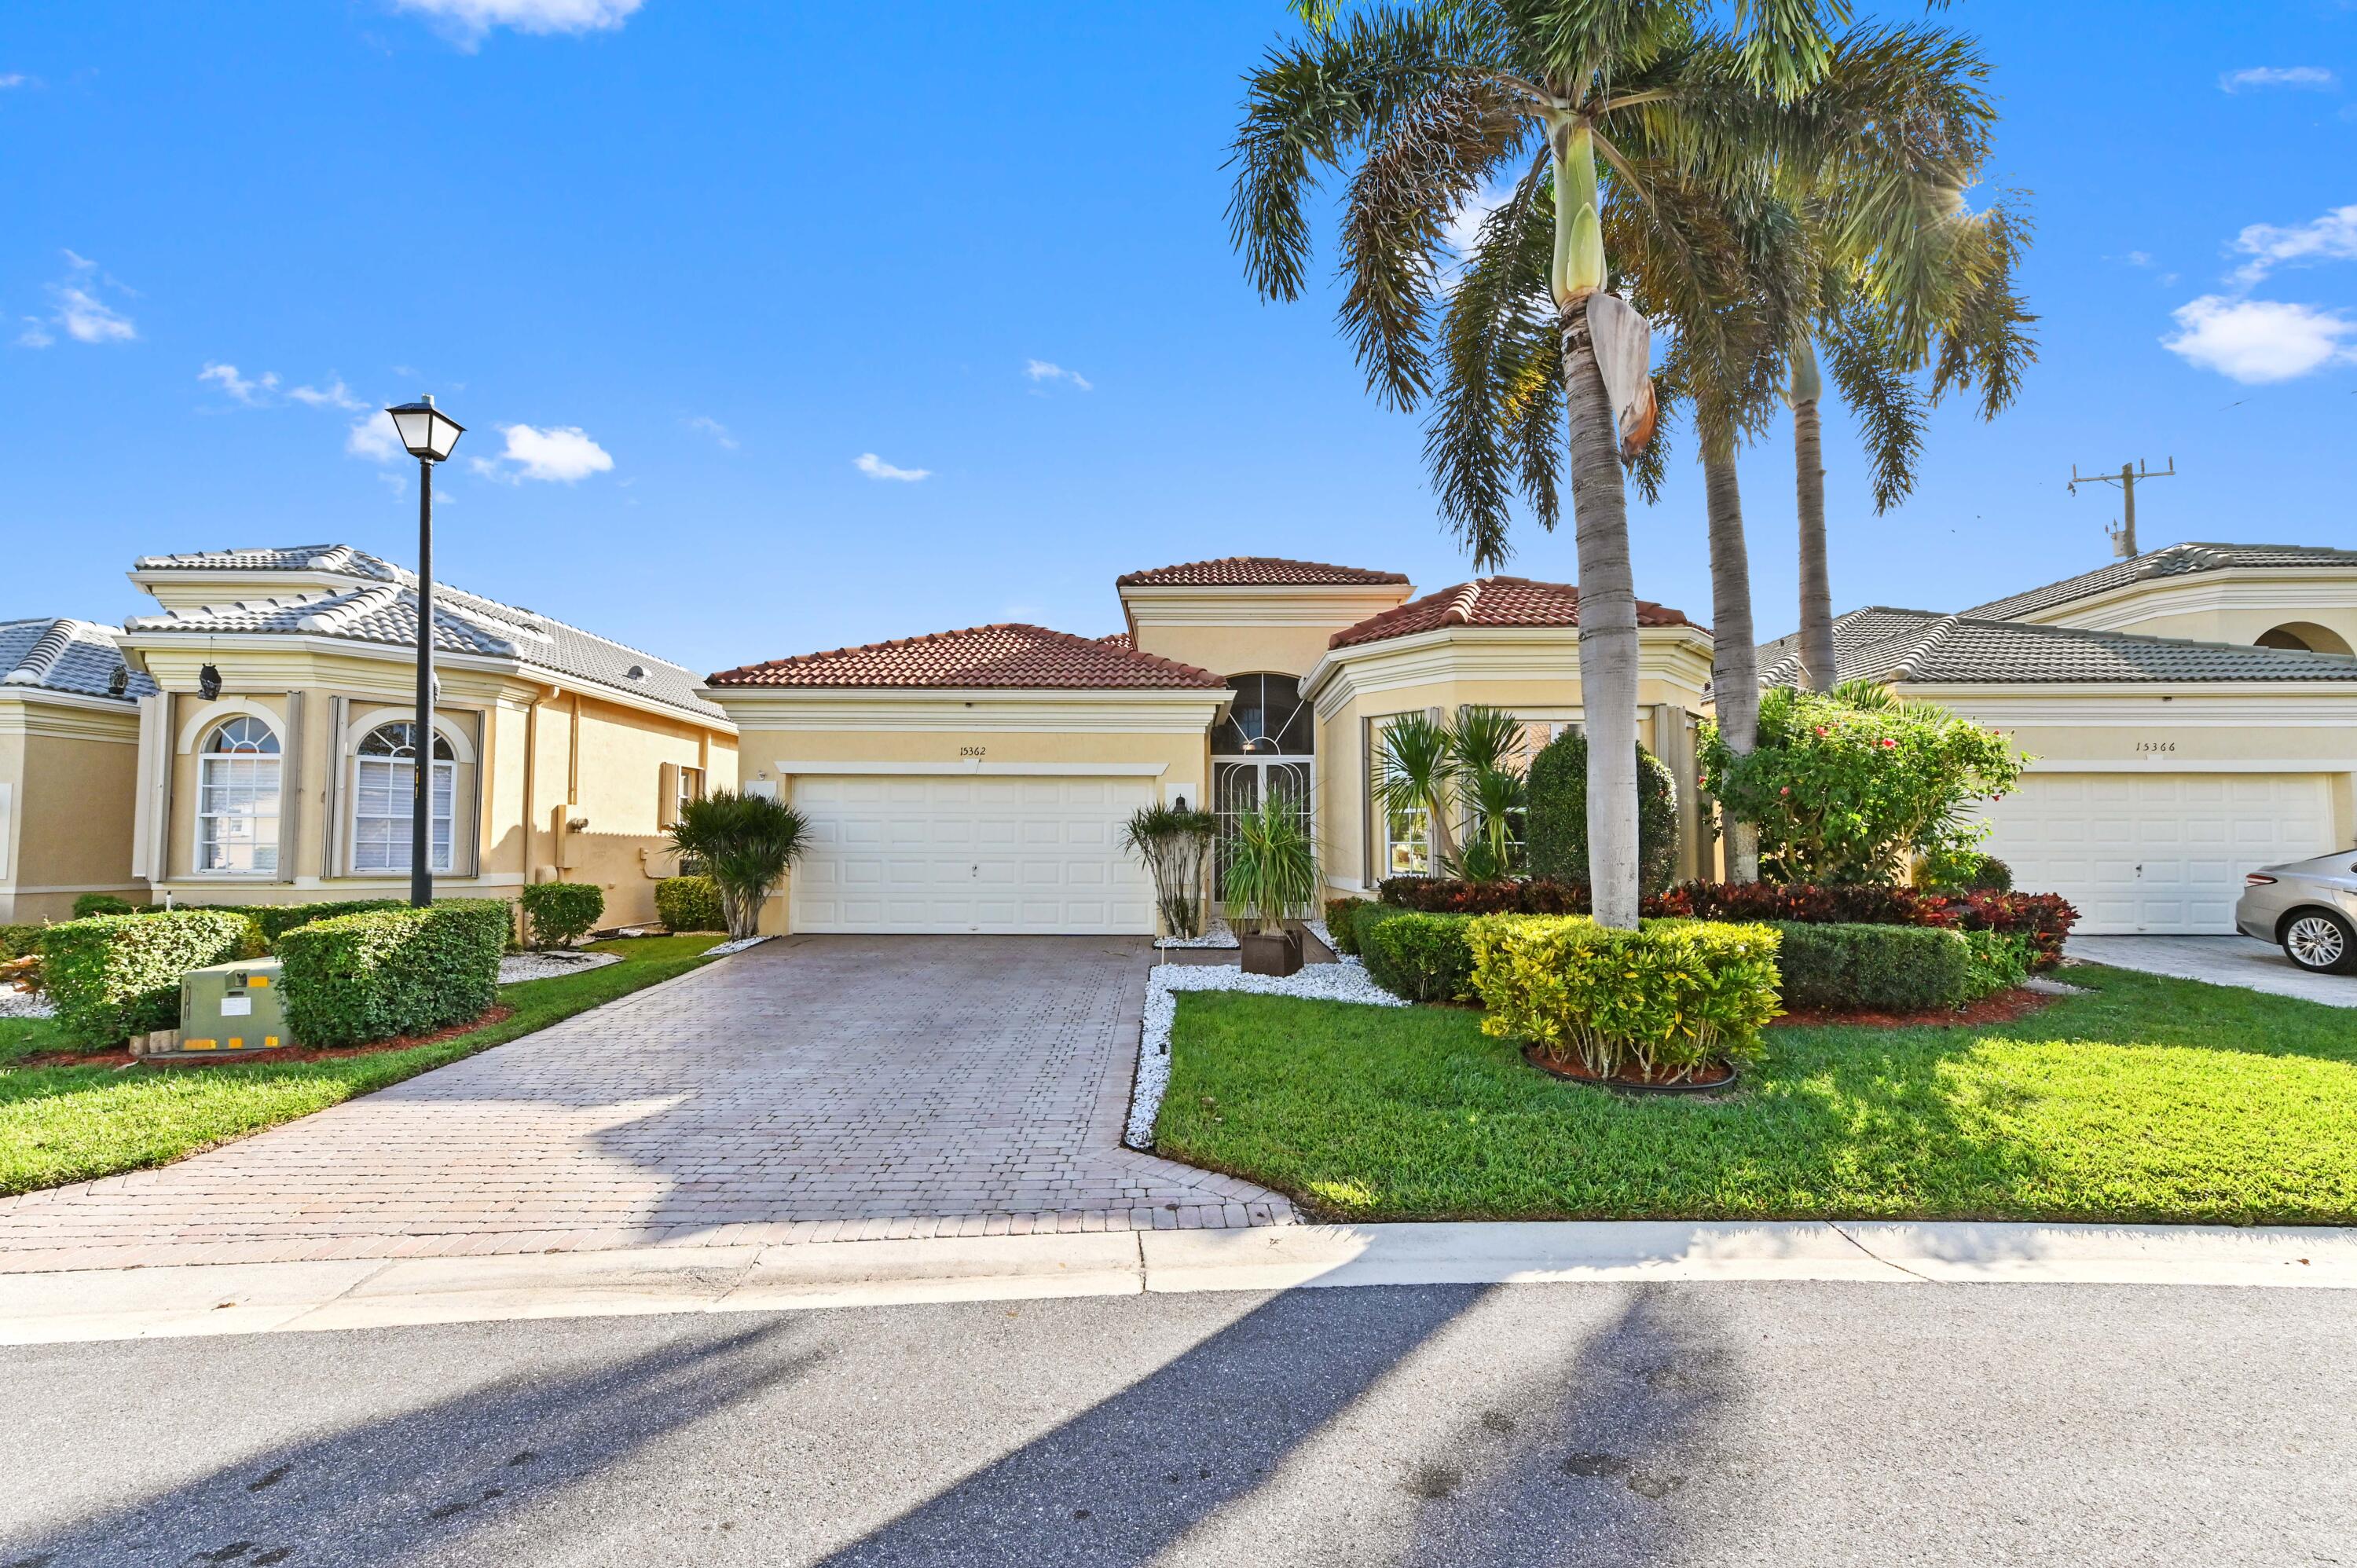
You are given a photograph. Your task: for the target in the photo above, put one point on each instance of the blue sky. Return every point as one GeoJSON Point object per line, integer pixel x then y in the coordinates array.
{"type": "Point", "coordinates": [778, 328]}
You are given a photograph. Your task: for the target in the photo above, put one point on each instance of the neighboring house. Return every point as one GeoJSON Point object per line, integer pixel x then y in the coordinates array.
{"type": "Point", "coordinates": [976, 780]}
{"type": "Point", "coordinates": [2192, 714]}
{"type": "Point", "coordinates": [276, 751]}
{"type": "Point", "coordinates": [69, 768]}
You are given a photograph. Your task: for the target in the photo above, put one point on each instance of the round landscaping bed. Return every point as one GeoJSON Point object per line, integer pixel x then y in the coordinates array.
{"type": "Point", "coordinates": [1714, 1078]}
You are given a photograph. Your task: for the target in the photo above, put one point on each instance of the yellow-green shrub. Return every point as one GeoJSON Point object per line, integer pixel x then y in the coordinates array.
{"type": "Point", "coordinates": [1667, 998]}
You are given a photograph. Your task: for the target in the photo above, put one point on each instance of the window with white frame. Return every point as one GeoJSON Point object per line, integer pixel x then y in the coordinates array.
{"type": "Point", "coordinates": [237, 799]}
{"type": "Point", "coordinates": [384, 791]}
{"type": "Point", "coordinates": [1403, 834]}
{"type": "Point", "coordinates": [690, 787]}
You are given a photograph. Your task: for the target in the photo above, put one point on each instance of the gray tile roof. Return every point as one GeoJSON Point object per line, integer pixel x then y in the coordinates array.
{"type": "Point", "coordinates": [54, 655]}
{"type": "Point", "coordinates": [347, 593]}
{"type": "Point", "coordinates": [2176, 561]}
{"type": "Point", "coordinates": [1924, 649]}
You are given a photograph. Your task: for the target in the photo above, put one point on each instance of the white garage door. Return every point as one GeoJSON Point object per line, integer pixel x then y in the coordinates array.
{"type": "Point", "coordinates": [1039, 857]}
{"type": "Point", "coordinates": [2157, 851]}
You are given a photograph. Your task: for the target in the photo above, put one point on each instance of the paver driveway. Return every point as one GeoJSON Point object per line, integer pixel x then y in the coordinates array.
{"type": "Point", "coordinates": [815, 1088]}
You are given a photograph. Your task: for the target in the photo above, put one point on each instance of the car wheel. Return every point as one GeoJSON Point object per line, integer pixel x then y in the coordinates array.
{"type": "Point", "coordinates": [2321, 943]}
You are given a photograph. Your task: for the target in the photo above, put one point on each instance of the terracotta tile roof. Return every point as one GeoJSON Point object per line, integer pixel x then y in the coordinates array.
{"type": "Point", "coordinates": [1489, 601]}
{"type": "Point", "coordinates": [1255, 571]}
{"type": "Point", "coordinates": [1884, 644]}
{"type": "Point", "coordinates": [1008, 656]}
{"type": "Point", "coordinates": [2175, 561]}
{"type": "Point", "coordinates": [1116, 639]}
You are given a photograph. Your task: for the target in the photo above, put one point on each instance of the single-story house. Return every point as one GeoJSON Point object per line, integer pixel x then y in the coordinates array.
{"type": "Point", "coordinates": [2191, 715]}
{"type": "Point", "coordinates": [976, 780]}
{"type": "Point", "coordinates": [276, 748]}
{"type": "Point", "coordinates": [68, 766]}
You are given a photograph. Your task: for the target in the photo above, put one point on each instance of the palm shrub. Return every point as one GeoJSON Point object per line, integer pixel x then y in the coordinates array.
{"type": "Point", "coordinates": [1272, 871]}
{"type": "Point", "coordinates": [745, 844]}
{"type": "Point", "coordinates": [1665, 999]}
{"type": "Point", "coordinates": [1558, 814]}
{"type": "Point", "coordinates": [1843, 793]}
{"type": "Point", "coordinates": [1416, 770]}
{"type": "Point", "coordinates": [562, 913]}
{"type": "Point", "coordinates": [1176, 845]}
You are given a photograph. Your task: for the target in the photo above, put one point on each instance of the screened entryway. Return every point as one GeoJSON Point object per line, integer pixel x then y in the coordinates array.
{"type": "Point", "coordinates": [1263, 749]}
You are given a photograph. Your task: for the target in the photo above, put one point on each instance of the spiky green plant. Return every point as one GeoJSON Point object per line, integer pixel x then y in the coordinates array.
{"type": "Point", "coordinates": [745, 844]}
{"type": "Point", "coordinates": [1176, 845]}
{"type": "Point", "coordinates": [1416, 770]}
{"type": "Point", "coordinates": [1272, 870]}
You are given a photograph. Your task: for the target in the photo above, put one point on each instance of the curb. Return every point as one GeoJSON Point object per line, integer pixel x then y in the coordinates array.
{"type": "Point", "coordinates": [260, 1298]}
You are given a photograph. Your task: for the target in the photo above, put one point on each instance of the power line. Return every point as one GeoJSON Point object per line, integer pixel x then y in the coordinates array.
{"type": "Point", "coordinates": [2123, 538]}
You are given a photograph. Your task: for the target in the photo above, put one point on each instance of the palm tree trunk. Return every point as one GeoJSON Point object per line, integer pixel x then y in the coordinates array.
{"type": "Point", "coordinates": [1734, 652]}
{"type": "Point", "coordinates": [1816, 582]}
{"type": "Point", "coordinates": [1608, 629]}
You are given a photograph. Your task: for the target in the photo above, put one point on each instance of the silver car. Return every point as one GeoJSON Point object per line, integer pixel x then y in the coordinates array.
{"type": "Point", "coordinates": [2309, 906]}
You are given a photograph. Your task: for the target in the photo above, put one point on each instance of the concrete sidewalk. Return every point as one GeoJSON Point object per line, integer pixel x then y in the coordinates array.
{"type": "Point", "coordinates": [251, 1298]}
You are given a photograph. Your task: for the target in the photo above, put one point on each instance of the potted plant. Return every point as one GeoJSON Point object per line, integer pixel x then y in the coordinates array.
{"type": "Point", "coordinates": [744, 843]}
{"type": "Point", "coordinates": [1272, 874]}
{"type": "Point", "coordinates": [1174, 842]}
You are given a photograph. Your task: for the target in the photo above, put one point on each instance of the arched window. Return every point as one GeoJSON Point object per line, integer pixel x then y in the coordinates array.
{"type": "Point", "coordinates": [384, 793]}
{"type": "Point", "coordinates": [237, 799]}
{"type": "Point", "coordinates": [1268, 719]}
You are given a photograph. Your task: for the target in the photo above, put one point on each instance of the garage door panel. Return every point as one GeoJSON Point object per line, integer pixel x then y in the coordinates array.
{"type": "Point", "coordinates": [2162, 853]}
{"type": "Point", "coordinates": [1009, 855]}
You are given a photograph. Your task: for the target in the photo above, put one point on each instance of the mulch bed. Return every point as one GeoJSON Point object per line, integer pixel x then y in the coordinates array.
{"type": "Point", "coordinates": [1701, 1082]}
{"type": "Point", "coordinates": [2003, 1007]}
{"type": "Point", "coordinates": [121, 1055]}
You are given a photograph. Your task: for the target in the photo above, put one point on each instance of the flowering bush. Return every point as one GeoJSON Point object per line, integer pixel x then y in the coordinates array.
{"type": "Point", "coordinates": [1843, 793]}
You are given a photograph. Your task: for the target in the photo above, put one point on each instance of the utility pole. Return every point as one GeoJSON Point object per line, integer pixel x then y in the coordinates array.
{"type": "Point", "coordinates": [2123, 538]}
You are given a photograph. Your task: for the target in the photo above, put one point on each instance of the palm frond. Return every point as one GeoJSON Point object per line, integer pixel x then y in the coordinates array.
{"type": "Point", "coordinates": [1864, 356]}
{"type": "Point", "coordinates": [1987, 340]}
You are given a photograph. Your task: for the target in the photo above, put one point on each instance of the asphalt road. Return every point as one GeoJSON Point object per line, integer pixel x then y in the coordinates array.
{"type": "Point", "coordinates": [1766, 1423]}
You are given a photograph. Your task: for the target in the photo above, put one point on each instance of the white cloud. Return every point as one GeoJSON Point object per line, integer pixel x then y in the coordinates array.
{"type": "Point", "coordinates": [2256, 341]}
{"type": "Point", "coordinates": [34, 335]}
{"type": "Point", "coordinates": [2330, 238]}
{"type": "Point", "coordinates": [90, 319]}
{"type": "Point", "coordinates": [2139, 258]}
{"type": "Point", "coordinates": [14, 78]}
{"type": "Point", "coordinates": [876, 468]}
{"type": "Point", "coordinates": [468, 20]}
{"type": "Point", "coordinates": [237, 386]}
{"type": "Point", "coordinates": [560, 454]}
{"type": "Point", "coordinates": [1041, 370]}
{"type": "Point", "coordinates": [710, 426]}
{"type": "Point", "coordinates": [334, 394]}
{"type": "Point", "coordinates": [372, 436]}
{"type": "Point", "coordinates": [2313, 77]}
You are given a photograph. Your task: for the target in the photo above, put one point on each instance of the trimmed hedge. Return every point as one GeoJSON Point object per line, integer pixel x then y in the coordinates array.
{"type": "Point", "coordinates": [1667, 998]}
{"type": "Point", "coordinates": [360, 978]}
{"type": "Point", "coordinates": [277, 919]}
{"type": "Point", "coordinates": [1893, 968]}
{"type": "Point", "coordinates": [1557, 831]}
{"type": "Point", "coordinates": [1342, 923]}
{"type": "Point", "coordinates": [113, 976]}
{"type": "Point", "coordinates": [1423, 958]}
{"type": "Point", "coordinates": [16, 941]}
{"type": "Point", "coordinates": [690, 904]}
{"type": "Point", "coordinates": [561, 912]}
{"type": "Point", "coordinates": [90, 904]}
{"type": "Point", "coordinates": [1999, 960]}
{"type": "Point", "coordinates": [2045, 919]}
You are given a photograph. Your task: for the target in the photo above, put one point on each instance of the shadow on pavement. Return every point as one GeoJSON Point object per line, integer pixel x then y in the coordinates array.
{"type": "Point", "coordinates": [419, 1483]}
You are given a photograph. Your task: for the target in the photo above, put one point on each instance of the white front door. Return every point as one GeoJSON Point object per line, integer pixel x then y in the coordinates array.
{"type": "Point", "coordinates": [1007, 856]}
{"type": "Point", "coordinates": [2159, 852]}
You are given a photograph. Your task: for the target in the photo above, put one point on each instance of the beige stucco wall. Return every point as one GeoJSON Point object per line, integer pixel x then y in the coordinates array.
{"type": "Point", "coordinates": [2246, 624]}
{"type": "Point", "coordinates": [1458, 669]}
{"type": "Point", "coordinates": [1242, 631]}
{"type": "Point", "coordinates": [521, 754]}
{"type": "Point", "coordinates": [2235, 607]}
{"type": "Point", "coordinates": [71, 775]}
{"type": "Point", "coordinates": [2310, 728]}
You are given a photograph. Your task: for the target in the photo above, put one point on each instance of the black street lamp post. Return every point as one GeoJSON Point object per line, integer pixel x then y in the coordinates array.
{"type": "Point", "coordinates": [430, 435]}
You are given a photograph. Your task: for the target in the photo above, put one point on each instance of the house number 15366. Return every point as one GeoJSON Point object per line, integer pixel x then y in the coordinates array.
{"type": "Point", "coordinates": [2156, 746]}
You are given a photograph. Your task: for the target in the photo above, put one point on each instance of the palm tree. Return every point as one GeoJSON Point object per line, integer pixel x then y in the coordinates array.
{"type": "Point", "coordinates": [1432, 103]}
{"type": "Point", "coordinates": [1416, 770]}
{"type": "Point", "coordinates": [745, 844]}
{"type": "Point", "coordinates": [1909, 279]}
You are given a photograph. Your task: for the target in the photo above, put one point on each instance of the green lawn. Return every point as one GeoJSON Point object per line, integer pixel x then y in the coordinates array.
{"type": "Point", "coordinates": [62, 1125]}
{"type": "Point", "coordinates": [2150, 1100]}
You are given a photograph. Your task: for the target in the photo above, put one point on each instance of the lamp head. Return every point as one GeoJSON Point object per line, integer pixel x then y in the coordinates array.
{"type": "Point", "coordinates": [427, 432]}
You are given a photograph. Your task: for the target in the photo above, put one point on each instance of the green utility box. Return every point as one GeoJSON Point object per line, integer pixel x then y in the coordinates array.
{"type": "Point", "coordinates": [232, 1007]}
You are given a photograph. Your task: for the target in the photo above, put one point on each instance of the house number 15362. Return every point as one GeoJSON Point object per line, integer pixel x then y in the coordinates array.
{"type": "Point", "coordinates": [973, 751]}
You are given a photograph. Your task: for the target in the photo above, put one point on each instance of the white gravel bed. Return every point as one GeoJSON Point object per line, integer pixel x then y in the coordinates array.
{"type": "Point", "coordinates": [1217, 935]}
{"type": "Point", "coordinates": [521, 966]}
{"type": "Point", "coordinates": [740, 945]}
{"type": "Point", "coordinates": [14, 1004]}
{"type": "Point", "coordinates": [1344, 982]}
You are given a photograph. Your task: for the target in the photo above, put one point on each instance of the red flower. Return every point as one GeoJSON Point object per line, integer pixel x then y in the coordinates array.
{"type": "Point", "coordinates": [1888, 745]}
{"type": "Point", "coordinates": [1785, 790]}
